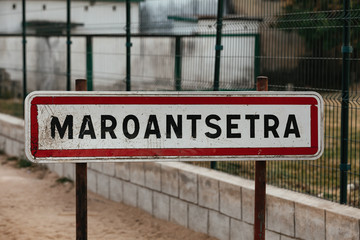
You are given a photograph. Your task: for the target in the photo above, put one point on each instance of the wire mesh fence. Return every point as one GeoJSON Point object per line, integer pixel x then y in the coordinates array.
{"type": "Point", "coordinates": [298, 44]}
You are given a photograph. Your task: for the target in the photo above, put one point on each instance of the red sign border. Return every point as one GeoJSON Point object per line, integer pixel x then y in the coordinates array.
{"type": "Point", "coordinates": [306, 152]}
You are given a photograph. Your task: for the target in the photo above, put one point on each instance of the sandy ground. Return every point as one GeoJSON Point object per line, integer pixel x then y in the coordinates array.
{"type": "Point", "coordinates": [34, 206]}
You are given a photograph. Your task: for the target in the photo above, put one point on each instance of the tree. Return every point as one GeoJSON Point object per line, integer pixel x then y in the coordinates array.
{"type": "Point", "coordinates": [319, 22]}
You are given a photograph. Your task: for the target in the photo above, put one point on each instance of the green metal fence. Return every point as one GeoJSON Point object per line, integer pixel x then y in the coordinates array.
{"type": "Point", "coordinates": [300, 45]}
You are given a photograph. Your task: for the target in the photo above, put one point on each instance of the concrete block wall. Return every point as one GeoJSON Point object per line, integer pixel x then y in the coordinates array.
{"type": "Point", "coordinates": [12, 135]}
{"type": "Point", "coordinates": [204, 200]}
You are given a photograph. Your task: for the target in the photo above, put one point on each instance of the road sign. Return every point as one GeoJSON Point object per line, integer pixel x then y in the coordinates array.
{"type": "Point", "coordinates": [177, 126]}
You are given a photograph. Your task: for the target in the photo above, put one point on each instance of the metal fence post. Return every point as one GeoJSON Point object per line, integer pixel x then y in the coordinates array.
{"type": "Point", "coordinates": [89, 63]}
{"type": "Point", "coordinates": [128, 46]}
{"type": "Point", "coordinates": [68, 44]}
{"type": "Point", "coordinates": [257, 56]}
{"type": "Point", "coordinates": [346, 50]}
{"type": "Point", "coordinates": [177, 72]}
{"type": "Point", "coordinates": [24, 47]}
{"type": "Point", "coordinates": [218, 48]}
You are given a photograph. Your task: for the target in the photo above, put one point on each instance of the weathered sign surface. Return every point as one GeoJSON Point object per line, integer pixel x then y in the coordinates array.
{"type": "Point", "coordinates": [176, 126]}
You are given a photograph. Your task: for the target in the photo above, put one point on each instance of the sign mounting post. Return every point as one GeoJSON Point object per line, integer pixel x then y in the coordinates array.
{"type": "Point", "coordinates": [81, 185]}
{"type": "Point", "coordinates": [260, 182]}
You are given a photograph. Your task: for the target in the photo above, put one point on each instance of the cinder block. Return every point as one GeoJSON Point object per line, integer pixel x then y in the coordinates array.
{"type": "Point", "coordinates": [103, 185]}
{"type": "Point", "coordinates": [91, 180]}
{"type": "Point", "coordinates": [241, 230]}
{"type": "Point", "coordinates": [10, 131]}
{"type": "Point", "coordinates": [2, 142]}
{"type": "Point", "coordinates": [209, 193]}
{"type": "Point", "coordinates": [58, 169]}
{"type": "Point", "coordinates": [20, 134]}
{"type": "Point", "coordinates": [161, 207]}
{"type": "Point", "coordinates": [96, 166]}
{"type": "Point", "coordinates": [269, 235]}
{"type": "Point", "coordinates": [152, 176]}
{"type": "Point", "coordinates": [6, 129]}
{"type": "Point", "coordinates": [219, 225]}
{"type": "Point", "coordinates": [15, 148]}
{"type": "Point", "coordinates": [22, 151]}
{"type": "Point", "coordinates": [130, 194]}
{"type": "Point", "coordinates": [122, 171]}
{"type": "Point", "coordinates": [8, 148]}
{"type": "Point", "coordinates": [14, 132]}
{"type": "Point", "coordinates": [109, 169]}
{"type": "Point", "coordinates": [309, 222]}
{"type": "Point", "coordinates": [282, 237]}
{"type": "Point", "coordinates": [50, 166]}
{"type": "Point", "coordinates": [341, 227]}
{"type": "Point", "coordinates": [188, 186]}
{"type": "Point", "coordinates": [248, 198]}
{"type": "Point", "coordinates": [178, 212]}
{"type": "Point", "coordinates": [137, 173]}
{"type": "Point", "coordinates": [92, 165]}
{"type": "Point", "coordinates": [144, 201]}
{"type": "Point", "coordinates": [198, 218]}
{"type": "Point", "coordinates": [280, 215]}
{"type": "Point", "coordinates": [116, 189]}
{"type": "Point", "coordinates": [230, 200]}
{"type": "Point", "coordinates": [69, 170]}
{"type": "Point", "coordinates": [170, 180]}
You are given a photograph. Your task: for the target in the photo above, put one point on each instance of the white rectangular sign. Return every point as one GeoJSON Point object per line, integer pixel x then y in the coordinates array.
{"type": "Point", "coordinates": [138, 126]}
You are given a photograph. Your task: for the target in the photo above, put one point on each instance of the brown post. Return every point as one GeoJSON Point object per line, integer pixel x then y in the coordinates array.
{"type": "Point", "coordinates": [81, 185]}
{"type": "Point", "coordinates": [260, 181]}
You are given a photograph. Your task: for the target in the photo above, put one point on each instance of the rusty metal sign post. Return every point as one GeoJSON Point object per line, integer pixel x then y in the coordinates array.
{"type": "Point", "coordinates": [260, 182]}
{"type": "Point", "coordinates": [81, 185]}
{"type": "Point", "coordinates": [81, 127]}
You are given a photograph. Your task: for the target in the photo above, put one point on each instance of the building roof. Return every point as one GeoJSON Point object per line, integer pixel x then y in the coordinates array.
{"type": "Point", "coordinates": [197, 18]}
{"type": "Point", "coordinates": [91, 1]}
{"type": "Point", "coordinates": [43, 27]}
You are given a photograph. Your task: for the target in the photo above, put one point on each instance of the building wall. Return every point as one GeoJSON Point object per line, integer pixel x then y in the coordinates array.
{"type": "Point", "coordinates": [152, 62]}
{"type": "Point", "coordinates": [97, 17]}
{"type": "Point", "coordinates": [152, 58]}
{"type": "Point", "coordinates": [203, 200]}
{"type": "Point", "coordinates": [154, 14]}
{"type": "Point", "coordinates": [276, 45]}
{"type": "Point", "coordinates": [46, 61]}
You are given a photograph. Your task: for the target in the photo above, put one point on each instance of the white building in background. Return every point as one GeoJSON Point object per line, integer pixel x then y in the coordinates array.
{"type": "Point", "coordinates": [240, 43]}
{"type": "Point", "coordinates": [153, 58]}
{"type": "Point", "coordinates": [87, 16]}
{"type": "Point", "coordinates": [46, 54]}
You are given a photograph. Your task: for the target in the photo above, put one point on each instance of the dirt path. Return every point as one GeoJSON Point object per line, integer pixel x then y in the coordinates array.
{"type": "Point", "coordinates": [34, 206]}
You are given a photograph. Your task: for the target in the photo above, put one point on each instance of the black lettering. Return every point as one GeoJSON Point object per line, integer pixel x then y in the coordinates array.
{"type": "Point", "coordinates": [270, 128]}
{"type": "Point", "coordinates": [90, 131]}
{"type": "Point", "coordinates": [294, 130]}
{"type": "Point", "coordinates": [252, 119]}
{"type": "Point", "coordinates": [170, 123]}
{"type": "Point", "coordinates": [126, 127]}
{"type": "Point", "coordinates": [230, 126]}
{"type": "Point", "coordinates": [109, 129]}
{"type": "Point", "coordinates": [212, 125]}
{"type": "Point", "coordinates": [68, 123]}
{"type": "Point", "coordinates": [193, 119]}
{"type": "Point", "coordinates": [152, 122]}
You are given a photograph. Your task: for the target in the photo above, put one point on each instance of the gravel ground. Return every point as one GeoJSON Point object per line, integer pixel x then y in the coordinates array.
{"type": "Point", "coordinates": [33, 205]}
